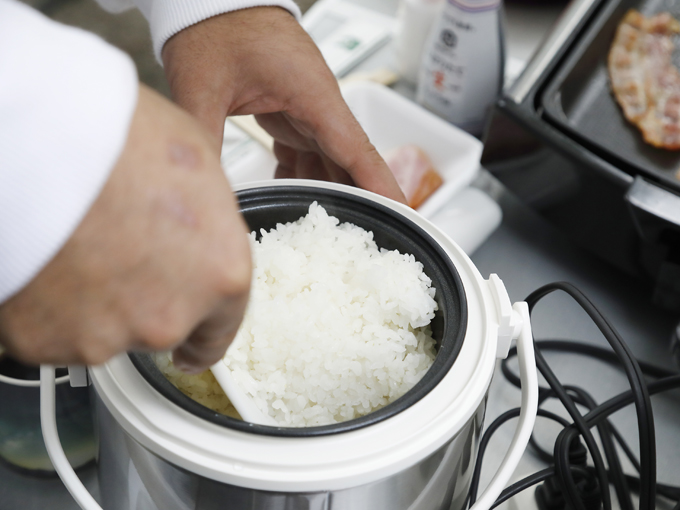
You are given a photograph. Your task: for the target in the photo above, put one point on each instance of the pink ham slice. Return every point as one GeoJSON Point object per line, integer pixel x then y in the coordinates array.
{"type": "Point", "coordinates": [414, 173]}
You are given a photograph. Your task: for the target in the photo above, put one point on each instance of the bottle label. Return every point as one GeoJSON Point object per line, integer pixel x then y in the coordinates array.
{"type": "Point", "coordinates": [461, 72]}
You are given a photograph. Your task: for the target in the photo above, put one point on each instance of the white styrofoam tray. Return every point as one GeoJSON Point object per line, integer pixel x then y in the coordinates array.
{"type": "Point", "coordinates": [391, 120]}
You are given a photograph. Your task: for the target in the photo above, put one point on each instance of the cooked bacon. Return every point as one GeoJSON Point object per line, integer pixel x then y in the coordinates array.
{"type": "Point", "coordinates": [414, 173]}
{"type": "Point", "coordinates": [645, 82]}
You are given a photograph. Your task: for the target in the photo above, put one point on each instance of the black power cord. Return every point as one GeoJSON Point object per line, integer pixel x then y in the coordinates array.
{"type": "Point", "coordinates": [570, 483]}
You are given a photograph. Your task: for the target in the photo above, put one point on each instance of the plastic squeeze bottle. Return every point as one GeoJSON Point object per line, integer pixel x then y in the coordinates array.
{"type": "Point", "coordinates": [414, 22]}
{"type": "Point", "coordinates": [461, 73]}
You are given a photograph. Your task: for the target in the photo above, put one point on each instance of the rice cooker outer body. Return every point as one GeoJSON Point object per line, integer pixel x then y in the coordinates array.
{"type": "Point", "coordinates": [427, 448]}
{"type": "Point", "coordinates": [133, 478]}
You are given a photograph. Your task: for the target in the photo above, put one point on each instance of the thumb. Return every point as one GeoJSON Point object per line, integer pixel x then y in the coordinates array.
{"type": "Point", "coordinates": [209, 341]}
{"type": "Point", "coordinates": [341, 138]}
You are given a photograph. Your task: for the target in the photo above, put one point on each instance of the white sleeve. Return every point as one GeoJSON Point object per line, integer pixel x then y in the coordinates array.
{"type": "Point", "coordinates": [66, 102]}
{"type": "Point", "coordinates": [167, 17]}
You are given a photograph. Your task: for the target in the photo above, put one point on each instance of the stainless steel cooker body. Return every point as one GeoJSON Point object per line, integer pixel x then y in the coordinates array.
{"type": "Point", "coordinates": [133, 478]}
{"type": "Point", "coordinates": [160, 450]}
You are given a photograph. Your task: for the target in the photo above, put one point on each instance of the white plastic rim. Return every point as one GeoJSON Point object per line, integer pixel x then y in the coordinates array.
{"type": "Point", "coordinates": [324, 463]}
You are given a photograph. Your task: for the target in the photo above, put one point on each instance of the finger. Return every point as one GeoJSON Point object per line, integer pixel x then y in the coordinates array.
{"type": "Point", "coordinates": [336, 172]}
{"type": "Point", "coordinates": [202, 350]}
{"type": "Point", "coordinates": [288, 161]}
{"type": "Point", "coordinates": [284, 172]}
{"type": "Point", "coordinates": [208, 343]}
{"type": "Point", "coordinates": [283, 131]}
{"type": "Point", "coordinates": [310, 166]}
{"type": "Point", "coordinates": [285, 155]}
{"type": "Point", "coordinates": [287, 158]}
{"type": "Point", "coordinates": [342, 139]}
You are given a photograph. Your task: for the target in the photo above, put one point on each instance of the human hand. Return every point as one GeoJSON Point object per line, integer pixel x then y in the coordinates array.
{"type": "Point", "coordinates": [160, 261]}
{"type": "Point", "coordinates": [260, 61]}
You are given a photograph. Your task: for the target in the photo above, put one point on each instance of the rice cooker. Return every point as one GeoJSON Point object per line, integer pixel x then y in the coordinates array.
{"type": "Point", "coordinates": [160, 450]}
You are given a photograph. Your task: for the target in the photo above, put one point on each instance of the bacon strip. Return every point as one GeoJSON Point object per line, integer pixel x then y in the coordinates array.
{"type": "Point", "coordinates": [645, 82]}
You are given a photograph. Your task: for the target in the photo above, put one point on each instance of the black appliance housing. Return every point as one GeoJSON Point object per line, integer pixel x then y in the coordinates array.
{"type": "Point", "coordinates": [559, 141]}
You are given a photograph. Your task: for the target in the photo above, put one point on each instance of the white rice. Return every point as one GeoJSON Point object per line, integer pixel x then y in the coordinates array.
{"type": "Point", "coordinates": [336, 328]}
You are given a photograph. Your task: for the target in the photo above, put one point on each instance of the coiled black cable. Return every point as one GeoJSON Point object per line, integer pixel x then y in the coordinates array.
{"type": "Point", "coordinates": [597, 416]}
{"type": "Point", "coordinates": [606, 437]}
{"type": "Point", "coordinates": [495, 425]}
{"type": "Point", "coordinates": [643, 405]}
{"type": "Point", "coordinates": [602, 412]}
{"type": "Point", "coordinates": [562, 467]}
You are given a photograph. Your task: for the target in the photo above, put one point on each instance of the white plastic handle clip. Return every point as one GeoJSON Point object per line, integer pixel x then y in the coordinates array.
{"type": "Point", "coordinates": [509, 320]}
{"type": "Point", "coordinates": [78, 376]}
{"type": "Point", "coordinates": [527, 415]}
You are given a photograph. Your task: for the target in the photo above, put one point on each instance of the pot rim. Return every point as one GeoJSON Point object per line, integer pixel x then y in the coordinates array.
{"type": "Point", "coordinates": [410, 237]}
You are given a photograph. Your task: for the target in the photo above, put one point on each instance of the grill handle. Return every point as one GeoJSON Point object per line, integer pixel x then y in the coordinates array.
{"type": "Point", "coordinates": [572, 17]}
{"type": "Point", "coordinates": [656, 215]}
{"type": "Point", "coordinates": [654, 209]}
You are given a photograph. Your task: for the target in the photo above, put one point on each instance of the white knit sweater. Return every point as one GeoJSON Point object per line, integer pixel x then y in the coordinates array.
{"type": "Point", "coordinates": [66, 102]}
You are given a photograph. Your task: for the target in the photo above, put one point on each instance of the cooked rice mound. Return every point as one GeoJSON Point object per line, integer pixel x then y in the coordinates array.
{"type": "Point", "coordinates": [336, 327]}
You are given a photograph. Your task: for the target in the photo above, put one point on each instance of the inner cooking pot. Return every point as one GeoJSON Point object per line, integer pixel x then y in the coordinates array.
{"type": "Point", "coordinates": [264, 208]}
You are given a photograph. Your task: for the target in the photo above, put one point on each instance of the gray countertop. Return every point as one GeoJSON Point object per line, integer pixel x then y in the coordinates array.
{"type": "Point", "coordinates": [19, 491]}
{"type": "Point", "coordinates": [526, 253]}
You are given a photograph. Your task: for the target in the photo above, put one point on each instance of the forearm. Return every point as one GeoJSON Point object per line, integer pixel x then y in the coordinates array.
{"type": "Point", "coordinates": [66, 101]}
{"type": "Point", "coordinates": [168, 17]}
